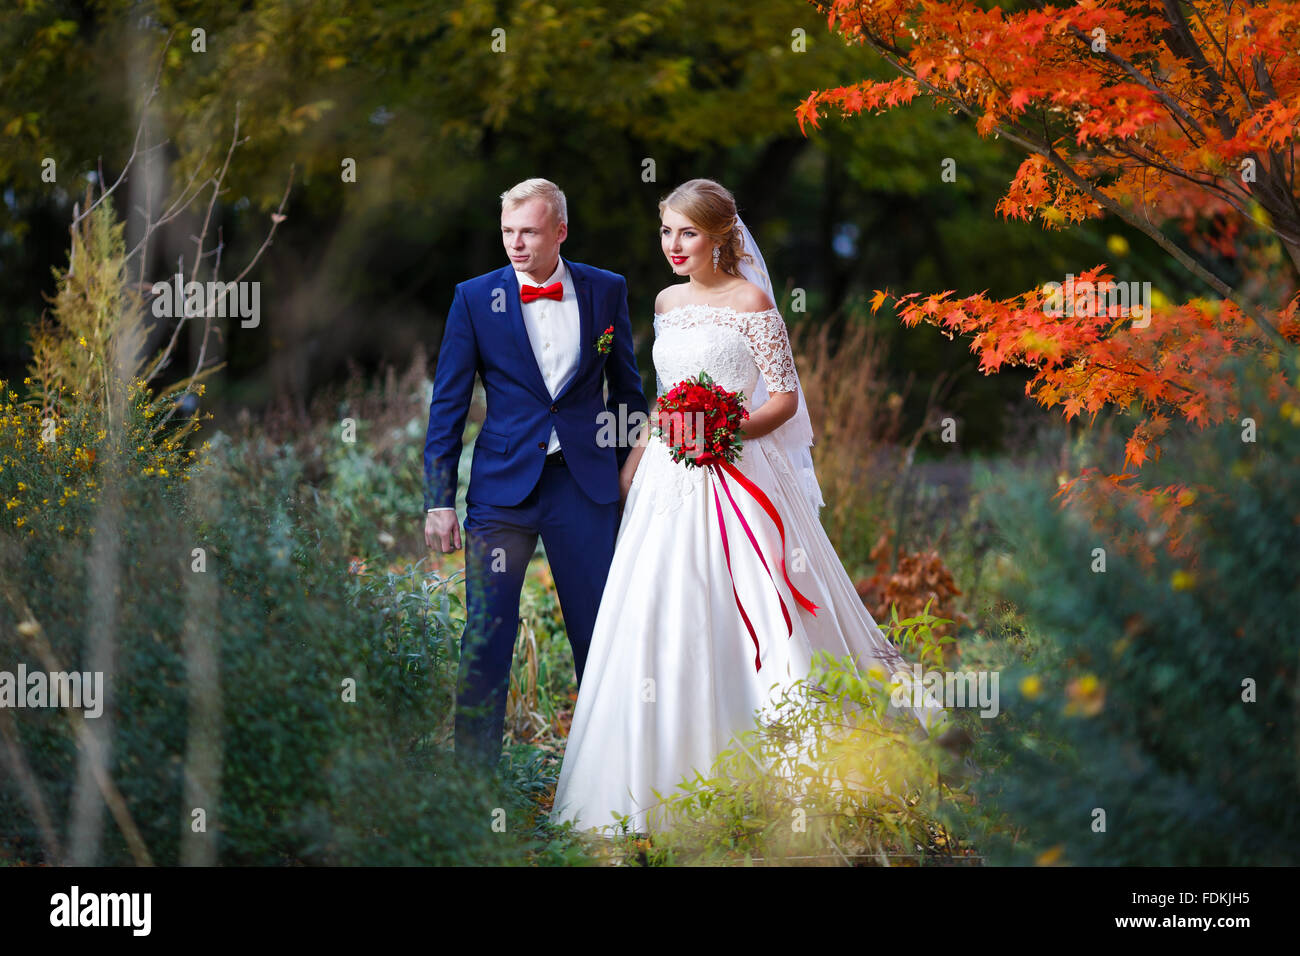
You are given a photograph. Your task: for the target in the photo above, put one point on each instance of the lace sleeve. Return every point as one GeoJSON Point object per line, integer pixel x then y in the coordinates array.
{"type": "Point", "coordinates": [770, 344]}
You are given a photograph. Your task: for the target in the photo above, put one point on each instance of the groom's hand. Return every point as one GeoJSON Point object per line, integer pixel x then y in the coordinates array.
{"type": "Point", "coordinates": [442, 530]}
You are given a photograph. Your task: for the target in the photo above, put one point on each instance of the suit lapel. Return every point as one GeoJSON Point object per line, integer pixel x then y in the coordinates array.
{"type": "Point", "coordinates": [519, 332]}
{"type": "Point", "coordinates": [586, 321]}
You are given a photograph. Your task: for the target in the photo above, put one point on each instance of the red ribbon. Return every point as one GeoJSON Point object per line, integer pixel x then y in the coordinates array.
{"type": "Point", "coordinates": [765, 503]}
{"type": "Point", "coordinates": [726, 550]}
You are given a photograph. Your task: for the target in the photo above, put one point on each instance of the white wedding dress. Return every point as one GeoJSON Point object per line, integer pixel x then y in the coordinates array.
{"type": "Point", "coordinates": [670, 677]}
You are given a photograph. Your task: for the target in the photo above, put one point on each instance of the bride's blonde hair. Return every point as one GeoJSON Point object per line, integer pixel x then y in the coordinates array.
{"type": "Point", "coordinates": [712, 209]}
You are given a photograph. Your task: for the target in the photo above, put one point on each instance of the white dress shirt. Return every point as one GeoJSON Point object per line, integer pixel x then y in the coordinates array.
{"type": "Point", "coordinates": [554, 331]}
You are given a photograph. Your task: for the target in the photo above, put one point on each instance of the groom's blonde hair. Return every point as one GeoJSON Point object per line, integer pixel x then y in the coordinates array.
{"type": "Point", "coordinates": [538, 189]}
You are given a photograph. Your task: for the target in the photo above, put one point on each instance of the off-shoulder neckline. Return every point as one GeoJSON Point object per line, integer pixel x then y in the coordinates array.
{"type": "Point", "coordinates": [705, 305]}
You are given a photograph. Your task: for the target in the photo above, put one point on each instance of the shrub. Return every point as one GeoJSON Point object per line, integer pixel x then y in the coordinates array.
{"type": "Point", "coordinates": [1165, 696]}
{"type": "Point", "coordinates": [830, 775]}
{"type": "Point", "coordinates": [304, 775]}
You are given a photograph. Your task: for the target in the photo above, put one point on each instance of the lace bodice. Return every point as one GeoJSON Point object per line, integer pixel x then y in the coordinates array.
{"type": "Point", "coordinates": [735, 348]}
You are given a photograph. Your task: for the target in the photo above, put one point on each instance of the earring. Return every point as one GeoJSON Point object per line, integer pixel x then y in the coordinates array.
{"type": "Point", "coordinates": [715, 258]}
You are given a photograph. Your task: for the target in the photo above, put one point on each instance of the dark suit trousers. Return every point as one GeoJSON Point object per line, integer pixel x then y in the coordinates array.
{"type": "Point", "coordinates": [578, 536]}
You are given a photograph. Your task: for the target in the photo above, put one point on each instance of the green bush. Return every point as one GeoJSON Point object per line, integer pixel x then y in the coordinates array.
{"type": "Point", "coordinates": [1126, 694]}
{"type": "Point", "coordinates": [830, 776]}
{"type": "Point", "coordinates": [305, 777]}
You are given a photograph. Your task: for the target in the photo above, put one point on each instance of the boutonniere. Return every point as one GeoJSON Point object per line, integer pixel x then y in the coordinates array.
{"type": "Point", "coordinates": [605, 341]}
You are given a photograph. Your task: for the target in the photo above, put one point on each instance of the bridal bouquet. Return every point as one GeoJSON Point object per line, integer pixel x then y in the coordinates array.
{"type": "Point", "coordinates": [703, 421]}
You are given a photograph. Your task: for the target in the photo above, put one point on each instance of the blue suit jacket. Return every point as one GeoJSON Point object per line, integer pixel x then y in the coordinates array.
{"type": "Point", "coordinates": [485, 333]}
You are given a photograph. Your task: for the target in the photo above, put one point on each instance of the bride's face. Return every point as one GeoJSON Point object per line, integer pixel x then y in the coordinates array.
{"type": "Point", "coordinates": [687, 249]}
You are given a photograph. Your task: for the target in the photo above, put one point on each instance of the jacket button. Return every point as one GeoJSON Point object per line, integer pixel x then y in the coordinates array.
{"type": "Point", "coordinates": [554, 409]}
{"type": "Point", "coordinates": [541, 444]}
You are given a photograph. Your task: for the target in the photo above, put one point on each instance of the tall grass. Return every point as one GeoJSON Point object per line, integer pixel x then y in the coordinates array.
{"type": "Point", "coordinates": [857, 428]}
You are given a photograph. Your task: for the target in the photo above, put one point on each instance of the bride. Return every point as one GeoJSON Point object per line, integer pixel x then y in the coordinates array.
{"type": "Point", "coordinates": [706, 618]}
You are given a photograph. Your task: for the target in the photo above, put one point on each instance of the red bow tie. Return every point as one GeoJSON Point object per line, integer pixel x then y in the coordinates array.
{"type": "Point", "coordinates": [553, 291]}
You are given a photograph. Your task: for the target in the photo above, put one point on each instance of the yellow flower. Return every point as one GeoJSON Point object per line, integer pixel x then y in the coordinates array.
{"type": "Point", "coordinates": [82, 340]}
{"type": "Point", "coordinates": [1049, 856]}
{"type": "Point", "coordinates": [1087, 696]}
{"type": "Point", "coordinates": [1031, 686]}
{"type": "Point", "coordinates": [1183, 580]}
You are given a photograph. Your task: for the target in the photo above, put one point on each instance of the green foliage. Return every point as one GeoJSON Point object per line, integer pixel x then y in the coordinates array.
{"type": "Point", "coordinates": [439, 122]}
{"type": "Point", "coordinates": [917, 638]}
{"type": "Point", "coordinates": [372, 490]}
{"type": "Point", "coordinates": [427, 85]}
{"type": "Point", "coordinates": [1127, 691]}
{"type": "Point", "coordinates": [77, 349]}
{"type": "Point", "coordinates": [93, 348]}
{"type": "Point", "coordinates": [305, 775]}
{"type": "Point", "coordinates": [833, 774]}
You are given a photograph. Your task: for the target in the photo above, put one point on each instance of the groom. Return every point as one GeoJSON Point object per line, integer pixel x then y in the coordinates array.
{"type": "Point", "coordinates": [535, 332]}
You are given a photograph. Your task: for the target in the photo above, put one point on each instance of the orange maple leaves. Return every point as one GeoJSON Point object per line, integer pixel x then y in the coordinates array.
{"type": "Point", "coordinates": [1039, 191]}
{"type": "Point", "coordinates": [1194, 119]}
{"type": "Point", "coordinates": [877, 96]}
{"type": "Point", "coordinates": [1086, 361]}
{"type": "Point", "coordinates": [1159, 115]}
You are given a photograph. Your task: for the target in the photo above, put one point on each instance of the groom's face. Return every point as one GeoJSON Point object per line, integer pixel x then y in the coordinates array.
{"type": "Point", "coordinates": [532, 238]}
